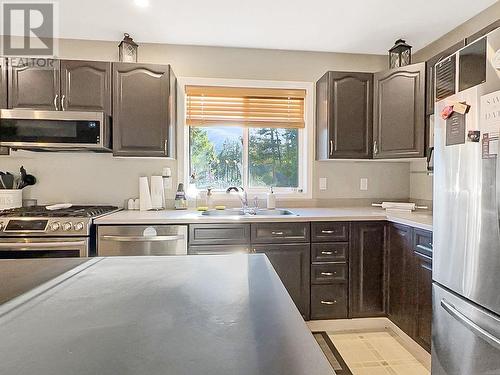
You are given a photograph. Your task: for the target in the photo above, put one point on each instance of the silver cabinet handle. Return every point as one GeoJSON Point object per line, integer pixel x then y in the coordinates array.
{"type": "Point", "coordinates": [328, 273]}
{"type": "Point", "coordinates": [39, 245]}
{"type": "Point", "coordinates": [141, 238]}
{"type": "Point", "coordinates": [329, 302]}
{"type": "Point", "coordinates": [375, 147]}
{"type": "Point", "coordinates": [326, 253]}
{"type": "Point", "coordinates": [327, 231]}
{"type": "Point", "coordinates": [63, 100]}
{"type": "Point", "coordinates": [165, 147]}
{"type": "Point", "coordinates": [277, 233]}
{"type": "Point", "coordinates": [477, 330]}
{"type": "Point", "coordinates": [56, 102]}
{"type": "Point", "coordinates": [331, 147]}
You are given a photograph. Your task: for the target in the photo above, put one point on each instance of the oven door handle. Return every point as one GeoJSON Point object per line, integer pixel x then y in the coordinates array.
{"type": "Point", "coordinates": [142, 238]}
{"type": "Point", "coordinates": [5, 246]}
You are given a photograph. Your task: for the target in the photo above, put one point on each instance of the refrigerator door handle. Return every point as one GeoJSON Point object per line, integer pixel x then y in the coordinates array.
{"type": "Point", "coordinates": [477, 330]}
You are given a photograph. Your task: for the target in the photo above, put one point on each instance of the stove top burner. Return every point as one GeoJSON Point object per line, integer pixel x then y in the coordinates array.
{"type": "Point", "coordinates": [74, 211]}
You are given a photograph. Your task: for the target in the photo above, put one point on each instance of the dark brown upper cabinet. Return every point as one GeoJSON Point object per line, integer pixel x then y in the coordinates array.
{"type": "Point", "coordinates": [430, 75]}
{"type": "Point", "coordinates": [3, 94]}
{"type": "Point", "coordinates": [60, 85]}
{"type": "Point", "coordinates": [86, 86]}
{"type": "Point", "coordinates": [344, 102]}
{"type": "Point", "coordinates": [367, 263]}
{"type": "Point", "coordinates": [143, 102]}
{"type": "Point", "coordinates": [399, 112]}
{"type": "Point", "coordinates": [32, 86]}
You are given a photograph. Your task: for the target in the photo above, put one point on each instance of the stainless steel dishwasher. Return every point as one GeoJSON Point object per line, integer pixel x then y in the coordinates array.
{"type": "Point", "coordinates": [136, 240]}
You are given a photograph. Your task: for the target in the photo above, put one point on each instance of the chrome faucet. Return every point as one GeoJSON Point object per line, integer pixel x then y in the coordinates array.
{"type": "Point", "coordinates": [242, 194]}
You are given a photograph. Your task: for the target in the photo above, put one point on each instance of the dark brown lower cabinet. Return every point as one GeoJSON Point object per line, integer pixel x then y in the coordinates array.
{"type": "Point", "coordinates": [291, 262]}
{"type": "Point", "coordinates": [367, 263]}
{"type": "Point", "coordinates": [410, 282]}
{"type": "Point", "coordinates": [329, 301]}
{"type": "Point", "coordinates": [401, 298]}
{"type": "Point", "coordinates": [423, 331]}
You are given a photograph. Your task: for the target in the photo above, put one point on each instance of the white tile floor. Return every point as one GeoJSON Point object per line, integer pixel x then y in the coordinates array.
{"type": "Point", "coordinates": [376, 352]}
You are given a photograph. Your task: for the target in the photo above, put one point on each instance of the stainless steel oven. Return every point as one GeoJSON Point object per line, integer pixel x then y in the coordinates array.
{"type": "Point", "coordinates": [36, 232]}
{"type": "Point", "coordinates": [43, 247]}
{"type": "Point", "coordinates": [54, 130]}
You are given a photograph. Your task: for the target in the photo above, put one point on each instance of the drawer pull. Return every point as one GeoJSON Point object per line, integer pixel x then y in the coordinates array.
{"type": "Point", "coordinates": [328, 273]}
{"type": "Point", "coordinates": [324, 231]}
{"type": "Point", "coordinates": [329, 302]}
{"type": "Point", "coordinates": [277, 233]}
{"type": "Point", "coordinates": [327, 253]}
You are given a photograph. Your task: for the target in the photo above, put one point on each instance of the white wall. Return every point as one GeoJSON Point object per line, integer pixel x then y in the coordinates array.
{"type": "Point", "coordinates": [97, 178]}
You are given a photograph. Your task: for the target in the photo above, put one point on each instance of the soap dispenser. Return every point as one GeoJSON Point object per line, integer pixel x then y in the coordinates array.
{"type": "Point", "coordinates": [271, 200]}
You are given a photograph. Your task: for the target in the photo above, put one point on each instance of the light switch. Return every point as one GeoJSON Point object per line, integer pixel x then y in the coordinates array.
{"type": "Point", "coordinates": [363, 184]}
{"type": "Point", "coordinates": [323, 183]}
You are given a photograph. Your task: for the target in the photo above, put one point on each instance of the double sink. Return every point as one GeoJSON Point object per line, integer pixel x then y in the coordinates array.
{"type": "Point", "coordinates": [248, 212]}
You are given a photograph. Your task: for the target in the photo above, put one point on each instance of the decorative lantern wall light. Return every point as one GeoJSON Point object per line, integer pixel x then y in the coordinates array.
{"type": "Point", "coordinates": [400, 54]}
{"type": "Point", "coordinates": [127, 49]}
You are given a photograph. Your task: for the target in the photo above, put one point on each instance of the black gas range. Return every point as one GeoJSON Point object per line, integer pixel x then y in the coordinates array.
{"type": "Point", "coordinates": [36, 232]}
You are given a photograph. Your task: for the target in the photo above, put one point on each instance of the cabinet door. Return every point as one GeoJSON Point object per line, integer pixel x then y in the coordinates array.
{"type": "Point", "coordinates": [3, 94]}
{"type": "Point", "coordinates": [367, 269]}
{"type": "Point", "coordinates": [33, 86]}
{"type": "Point", "coordinates": [86, 86]}
{"type": "Point", "coordinates": [399, 121]}
{"type": "Point", "coordinates": [401, 304]}
{"type": "Point", "coordinates": [344, 115]}
{"type": "Point", "coordinates": [430, 75]}
{"type": "Point", "coordinates": [291, 262]}
{"type": "Point", "coordinates": [141, 121]}
{"type": "Point", "coordinates": [423, 330]}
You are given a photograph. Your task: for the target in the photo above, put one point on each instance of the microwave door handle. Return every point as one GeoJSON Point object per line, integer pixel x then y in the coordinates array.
{"type": "Point", "coordinates": [477, 330]}
{"type": "Point", "coordinates": [142, 238]}
{"type": "Point", "coordinates": [5, 246]}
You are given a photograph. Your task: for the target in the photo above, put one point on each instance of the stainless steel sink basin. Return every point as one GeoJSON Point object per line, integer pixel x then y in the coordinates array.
{"type": "Point", "coordinates": [240, 212]}
{"type": "Point", "coordinates": [229, 212]}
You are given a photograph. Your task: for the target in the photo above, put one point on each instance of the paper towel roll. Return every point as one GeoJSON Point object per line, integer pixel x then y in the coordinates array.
{"type": "Point", "coordinates": [144, 194]}
{"type": "Point", "coordinates": [157, 192]}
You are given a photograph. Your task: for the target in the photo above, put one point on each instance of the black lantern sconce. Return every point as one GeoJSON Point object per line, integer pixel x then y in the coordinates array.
{"type": "Point", "coordinates": [127, 49]}
{"type": "Point", "coordinates": [400, 54]}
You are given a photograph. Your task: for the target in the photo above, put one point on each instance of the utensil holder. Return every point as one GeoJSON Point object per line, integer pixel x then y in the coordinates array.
{"type": "Point", "coordinates": [11, 198]}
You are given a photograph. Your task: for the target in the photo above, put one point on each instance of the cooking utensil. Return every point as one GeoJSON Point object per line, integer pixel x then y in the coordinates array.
{"type": "Point", "coordinates": [26, 179]}
{"type": "Point", "coordinates": [7, 180]}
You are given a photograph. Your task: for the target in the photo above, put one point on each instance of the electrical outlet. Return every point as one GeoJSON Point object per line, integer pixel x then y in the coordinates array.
{"type": "Point", "coordinates": [363, 184]}
{"type": "Point", "coordinates": [323, 183]}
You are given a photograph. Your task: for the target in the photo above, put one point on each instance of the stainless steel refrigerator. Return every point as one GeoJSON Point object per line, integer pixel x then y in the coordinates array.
{"type": "Point", "coordinates": [466, 258]}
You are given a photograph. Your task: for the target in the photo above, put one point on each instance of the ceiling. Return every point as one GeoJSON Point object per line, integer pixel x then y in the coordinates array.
{"type": "Point", "coordinates": [358, 26]}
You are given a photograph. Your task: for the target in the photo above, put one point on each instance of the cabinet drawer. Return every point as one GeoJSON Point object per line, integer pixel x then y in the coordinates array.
{"type": "Point", "coordinates": [330, 231]}
{"type": "Point", "coordinates": [219, 234]}
{"type": "Point", "coordinates": [328, 301]}
{"type": "Point", "coordinates": [219, 249]}
{"type": "Point", "coordinates": [328, 273]}
{"type": "Point", "coordinates": [329, 252]}
{"type": "Point", "coordinates": [280, 232]}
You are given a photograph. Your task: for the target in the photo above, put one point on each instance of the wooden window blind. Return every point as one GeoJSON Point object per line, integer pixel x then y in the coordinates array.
{"type": "Point", "coordinates": [246, 107]}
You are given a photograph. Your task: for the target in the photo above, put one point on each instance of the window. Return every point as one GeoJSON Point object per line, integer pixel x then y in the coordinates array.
{"type": "Point", "coordinates": [248, 137]}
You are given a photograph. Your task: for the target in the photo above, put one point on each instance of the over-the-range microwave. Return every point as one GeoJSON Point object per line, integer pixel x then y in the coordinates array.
{"type": "Point", "coordinates": [55, 130]}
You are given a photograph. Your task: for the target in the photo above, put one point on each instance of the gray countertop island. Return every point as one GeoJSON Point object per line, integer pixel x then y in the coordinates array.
{"type": "Point", "coordinates": [210, 315]}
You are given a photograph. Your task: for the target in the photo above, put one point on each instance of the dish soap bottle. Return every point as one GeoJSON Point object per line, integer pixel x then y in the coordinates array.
{"type": "Point", "coordinates": [180, 198]}
{"type": "Point", "coordinates": [210, 200]}
{"type": "Point", "coordinates": [271, 200]}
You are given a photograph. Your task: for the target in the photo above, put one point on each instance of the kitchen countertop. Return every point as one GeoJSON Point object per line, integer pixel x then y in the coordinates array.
{"type": "Point", "coordinates": [184, 315]}
{"type": "Point", "coordinates": [417, 219]}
